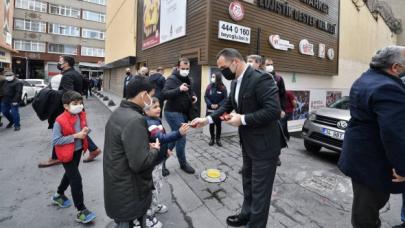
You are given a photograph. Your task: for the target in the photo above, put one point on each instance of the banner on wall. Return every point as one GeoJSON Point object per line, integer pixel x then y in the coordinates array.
{"type": "Point", "coordinates": [163, 21]}
{"type": "Point", "coordinates": [332, 97]}
{"type": "Point", "coordinates": [302, 109]}
{"type": "Point", "coordinates": [6, 23]}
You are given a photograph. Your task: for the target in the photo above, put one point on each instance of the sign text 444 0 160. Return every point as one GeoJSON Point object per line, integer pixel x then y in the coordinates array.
{"type": "Point", "coordinates": [233, 32]}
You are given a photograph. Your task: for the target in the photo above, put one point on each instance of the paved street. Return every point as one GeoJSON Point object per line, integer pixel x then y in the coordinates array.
{"type": "Point", "coordinates": [309, 189]}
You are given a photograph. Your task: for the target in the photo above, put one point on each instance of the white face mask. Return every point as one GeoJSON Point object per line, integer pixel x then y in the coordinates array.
{"type": "Point", "coordinates": [10, 78]}
{"type": "Point", "coordinates": [184, 73]}
{"type": "Point", "coordinates": [148, 106]}
{"type": "Point", "coordinates": [213, 80]}
{"type": "Point", "coordinates": [269, 68]}
{"type": "Point", "coordinates": [76, 109]}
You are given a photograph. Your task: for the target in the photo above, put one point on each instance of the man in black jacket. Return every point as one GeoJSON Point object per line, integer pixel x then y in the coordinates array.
{"type": "Point", "coordinates": [180, 99]}
{"type": "Point", "coordinates": [129, 159]}
{"type": "Point", "coordinates": [127, 79]}
{"type": "Point", "coordinates": [158, 80]}
{"type": "Point", "coordinates": [254, 97]}
{"type": "Point", "coordinates": [12, 91]}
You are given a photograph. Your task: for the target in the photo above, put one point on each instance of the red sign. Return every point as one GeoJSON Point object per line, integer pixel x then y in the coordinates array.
{"type": "Point", "coordinates": [236, 11]}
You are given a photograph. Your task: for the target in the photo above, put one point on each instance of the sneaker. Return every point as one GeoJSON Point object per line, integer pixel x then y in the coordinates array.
{"type": "Point", "coordinates": [152, 222]}
{"type": "Point", "coordinates": [187, 168]}
{"type": "Point", "coordinates": [85, 216]}
{"type": "Point", "coordinates": [160, 209]}
{"type": "Point", "coordinates": [61, 200]}
{"type": "Point", "coordinates": [165, 172]}
{"type": "Point", "coordinates": [92, 155]}
{"type": "Point", "coordinates": [9, 125]}
{"type": "Point", "coordinates": [219, 143]}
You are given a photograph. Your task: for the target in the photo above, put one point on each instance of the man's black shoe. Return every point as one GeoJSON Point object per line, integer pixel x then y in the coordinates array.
{"type": "Point", "coordinates": [236, 221]}
{"type": "Point", "coordinates": [399, 226]}
{"type": "Point", "coordinates": [17, 128]}
{"type": "Point", "coordinates": [219, 143]}
{"type": "Point", "coordinates": [187, 168]}
{"type": "Point", "coordinates": [165, 172]}
{"type": "Point", "coordinates": [9, 125]}
{"type": "Point", "coordinates": [212, 142]}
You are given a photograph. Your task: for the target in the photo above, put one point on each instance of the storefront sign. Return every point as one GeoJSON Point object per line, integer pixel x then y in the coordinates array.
{"type": "Point", "coordinates": [287, 10]}
{"type": "Point", "coordinates": [318, 5]}
{"type": "Point", "coordinates": [163, 20]}
{"type": "Point", "coordinates": [236, 11]}
{"type": "Point", "coordinates": [322, 51]}
{"type": "Point", "coordinates": [306, 48]}
{"type": "Point", "coordinates": [280, 44]}
{"type": "Point", "coordinates": [331, 54]}
{"type": "Point", "coordinates": [233, 32]}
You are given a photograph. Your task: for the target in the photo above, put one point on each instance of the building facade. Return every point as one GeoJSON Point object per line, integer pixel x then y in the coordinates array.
{"type": "Point", "coordinates": [6, 27]}
{"type": "Point", "coordinates": [45, 30]}
{"type": "Point", "coordinates": [319, 47]}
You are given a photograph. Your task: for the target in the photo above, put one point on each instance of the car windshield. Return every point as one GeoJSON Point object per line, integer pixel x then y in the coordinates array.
{"type": "Point", "coordinates": [342, 103]}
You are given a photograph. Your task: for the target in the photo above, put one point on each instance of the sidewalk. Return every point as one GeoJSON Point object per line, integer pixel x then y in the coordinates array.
{"type": "Point", "coordinates": [309, 190]}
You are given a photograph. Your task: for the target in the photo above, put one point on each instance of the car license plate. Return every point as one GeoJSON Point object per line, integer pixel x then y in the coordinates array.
{"type": "Point", "coordinates": [333, 134]}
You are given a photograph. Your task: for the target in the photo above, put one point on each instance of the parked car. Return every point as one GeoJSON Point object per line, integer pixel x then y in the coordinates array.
{"type": "Point", "coordinates": [28, 93]}
{"type": "Point", "coordinates": [326, 127]}
{"type": "Point", "coordinates": [38, 84]}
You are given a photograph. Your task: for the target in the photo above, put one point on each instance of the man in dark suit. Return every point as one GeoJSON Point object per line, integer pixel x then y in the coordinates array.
{"type": "Point", "coordinates": [374, 147]}
{"type": "Point", "coordinates": [254, 97]}
{"type": "Point", "coordinates": [127, 79]}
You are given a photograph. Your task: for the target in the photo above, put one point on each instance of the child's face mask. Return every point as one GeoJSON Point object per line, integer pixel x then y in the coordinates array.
{"type": "Point", "coordinates": [75, 109]}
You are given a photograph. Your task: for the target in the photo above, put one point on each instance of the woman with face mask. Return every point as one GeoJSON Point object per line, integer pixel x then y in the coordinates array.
{"type": "Point", "coordinates": [215, 96]}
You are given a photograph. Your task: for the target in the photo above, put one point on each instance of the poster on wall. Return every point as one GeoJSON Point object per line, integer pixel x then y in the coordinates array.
{"type": "Point", "coordinates": [163, 20]}
{"type": "Point", "coordinates": [6, 23]}
{"type": "Point", "coordinates": [317, 100]}
{"type": "Point", "coordinates": [302, 109]}
{"type": "Point", "coordinates": [332, 97]}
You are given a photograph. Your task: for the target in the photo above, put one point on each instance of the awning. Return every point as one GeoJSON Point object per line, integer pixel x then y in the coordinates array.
{"type": "Point", "coordinates": [90, 65]}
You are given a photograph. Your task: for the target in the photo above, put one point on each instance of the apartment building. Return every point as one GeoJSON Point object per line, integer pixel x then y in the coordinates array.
{"type": "Point", "coordinates": [45, 30]}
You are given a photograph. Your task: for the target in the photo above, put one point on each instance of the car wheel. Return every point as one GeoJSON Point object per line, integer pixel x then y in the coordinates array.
{"type": "Point", "coordinates": [311, 147]}
{"type": "Point", "coordinates": [24, 101]}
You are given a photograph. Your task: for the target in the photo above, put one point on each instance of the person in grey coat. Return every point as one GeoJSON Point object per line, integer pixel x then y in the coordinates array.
{"type": "Point", "coordinates": [129, 158]}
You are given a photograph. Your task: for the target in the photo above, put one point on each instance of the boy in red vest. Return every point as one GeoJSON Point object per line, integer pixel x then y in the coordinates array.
{"type": "Point", "coordinates": [70, 140]}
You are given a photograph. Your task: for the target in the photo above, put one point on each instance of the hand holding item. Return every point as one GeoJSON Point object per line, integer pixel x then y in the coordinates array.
{"type": "Point", "coordinates": [225, 117]}
{"type": "Point", "coordinates": [236, 120]}
{"type": "Point", "coordinates": [155, 145]}
{"type": "Point", "coordinates": [199, 122]}
{"type": "Point", "coordinates": [81, 134]}
{"type": "Point", "coordinates": [195, 99]}
{"type": "Point", "coordinates": [86, 130]}
{"type": "Point", "coordinates": [184, 87]}
{"type": "Point", "coordinates": [184, 129]}
{"type": "Point", "coordinates": [397, 178]}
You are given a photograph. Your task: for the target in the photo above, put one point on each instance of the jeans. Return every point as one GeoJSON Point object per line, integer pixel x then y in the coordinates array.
{"type": "Point", "coordinates": [175, 120]}
{"type": "Point", "coordinates": [73, 178]}
{"type": "Point", "coordinates": [367, 204]}
{"type": "Point", "coordinates": [11, 113]}
{"type": "Point", "coordinates": [92, 147]}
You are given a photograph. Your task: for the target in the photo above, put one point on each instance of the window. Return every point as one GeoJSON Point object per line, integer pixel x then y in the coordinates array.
{"type": "Point", "coordinates": [26, 45]}
{"type": "Point", "coordinates": [66, 30]}
{"type": "Point", "coordinates": [93, 16]}
{"type": "Point", "coordinates": [89, 51]}
{"type": "Point", "coordinates": [33, 5]}
{"type": "Point", "coordinates": [92, 34]}
{"type": "Point", "coordinates": [100, 2]}
{"type": "Point", "coordinates": [28, 25]}
{"type": "Point", "coordinates": [64, 11]}
{"type": "Point", "coordinates": [62, 49]}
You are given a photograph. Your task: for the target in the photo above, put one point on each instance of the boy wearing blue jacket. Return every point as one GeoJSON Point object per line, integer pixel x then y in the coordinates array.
{"type": "Point", "coordinates": [166, 139]}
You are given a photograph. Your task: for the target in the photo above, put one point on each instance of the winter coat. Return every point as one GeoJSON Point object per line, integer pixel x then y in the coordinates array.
{"type": "Point", "coordinates": [215, 95]}
{"type": "Point", "coordinates": [46, 103]}
{"type": "Point", "coordinates": [12, 91]}
{"type": "Point", "coordinates": [128, 164]}
{"type": "Point", "coordinates": [71, 80]}
{"type": "Point", "coordinates": [374, 142]}
{"type": "Point", "coordinates": [177, 101]}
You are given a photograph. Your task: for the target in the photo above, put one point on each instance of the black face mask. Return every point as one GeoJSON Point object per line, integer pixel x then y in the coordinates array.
{"type": "Point", "coordinates": [59, 66]}
{"type": "Point", "coordinates": [128, 73]}
{"type": "Point", "coordinates": [228, 75]}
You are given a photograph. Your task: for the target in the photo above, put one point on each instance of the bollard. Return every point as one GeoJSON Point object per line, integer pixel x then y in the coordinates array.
{"type": "Point", "coordinates": [111, 103]}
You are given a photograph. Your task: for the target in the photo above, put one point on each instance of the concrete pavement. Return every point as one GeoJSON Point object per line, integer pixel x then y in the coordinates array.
{"type": "Point", "coordinates": [309, 190]}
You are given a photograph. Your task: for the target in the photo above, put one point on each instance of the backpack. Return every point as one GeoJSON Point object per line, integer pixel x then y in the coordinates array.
{"type": "Point", "coordinates": [42, 103]}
